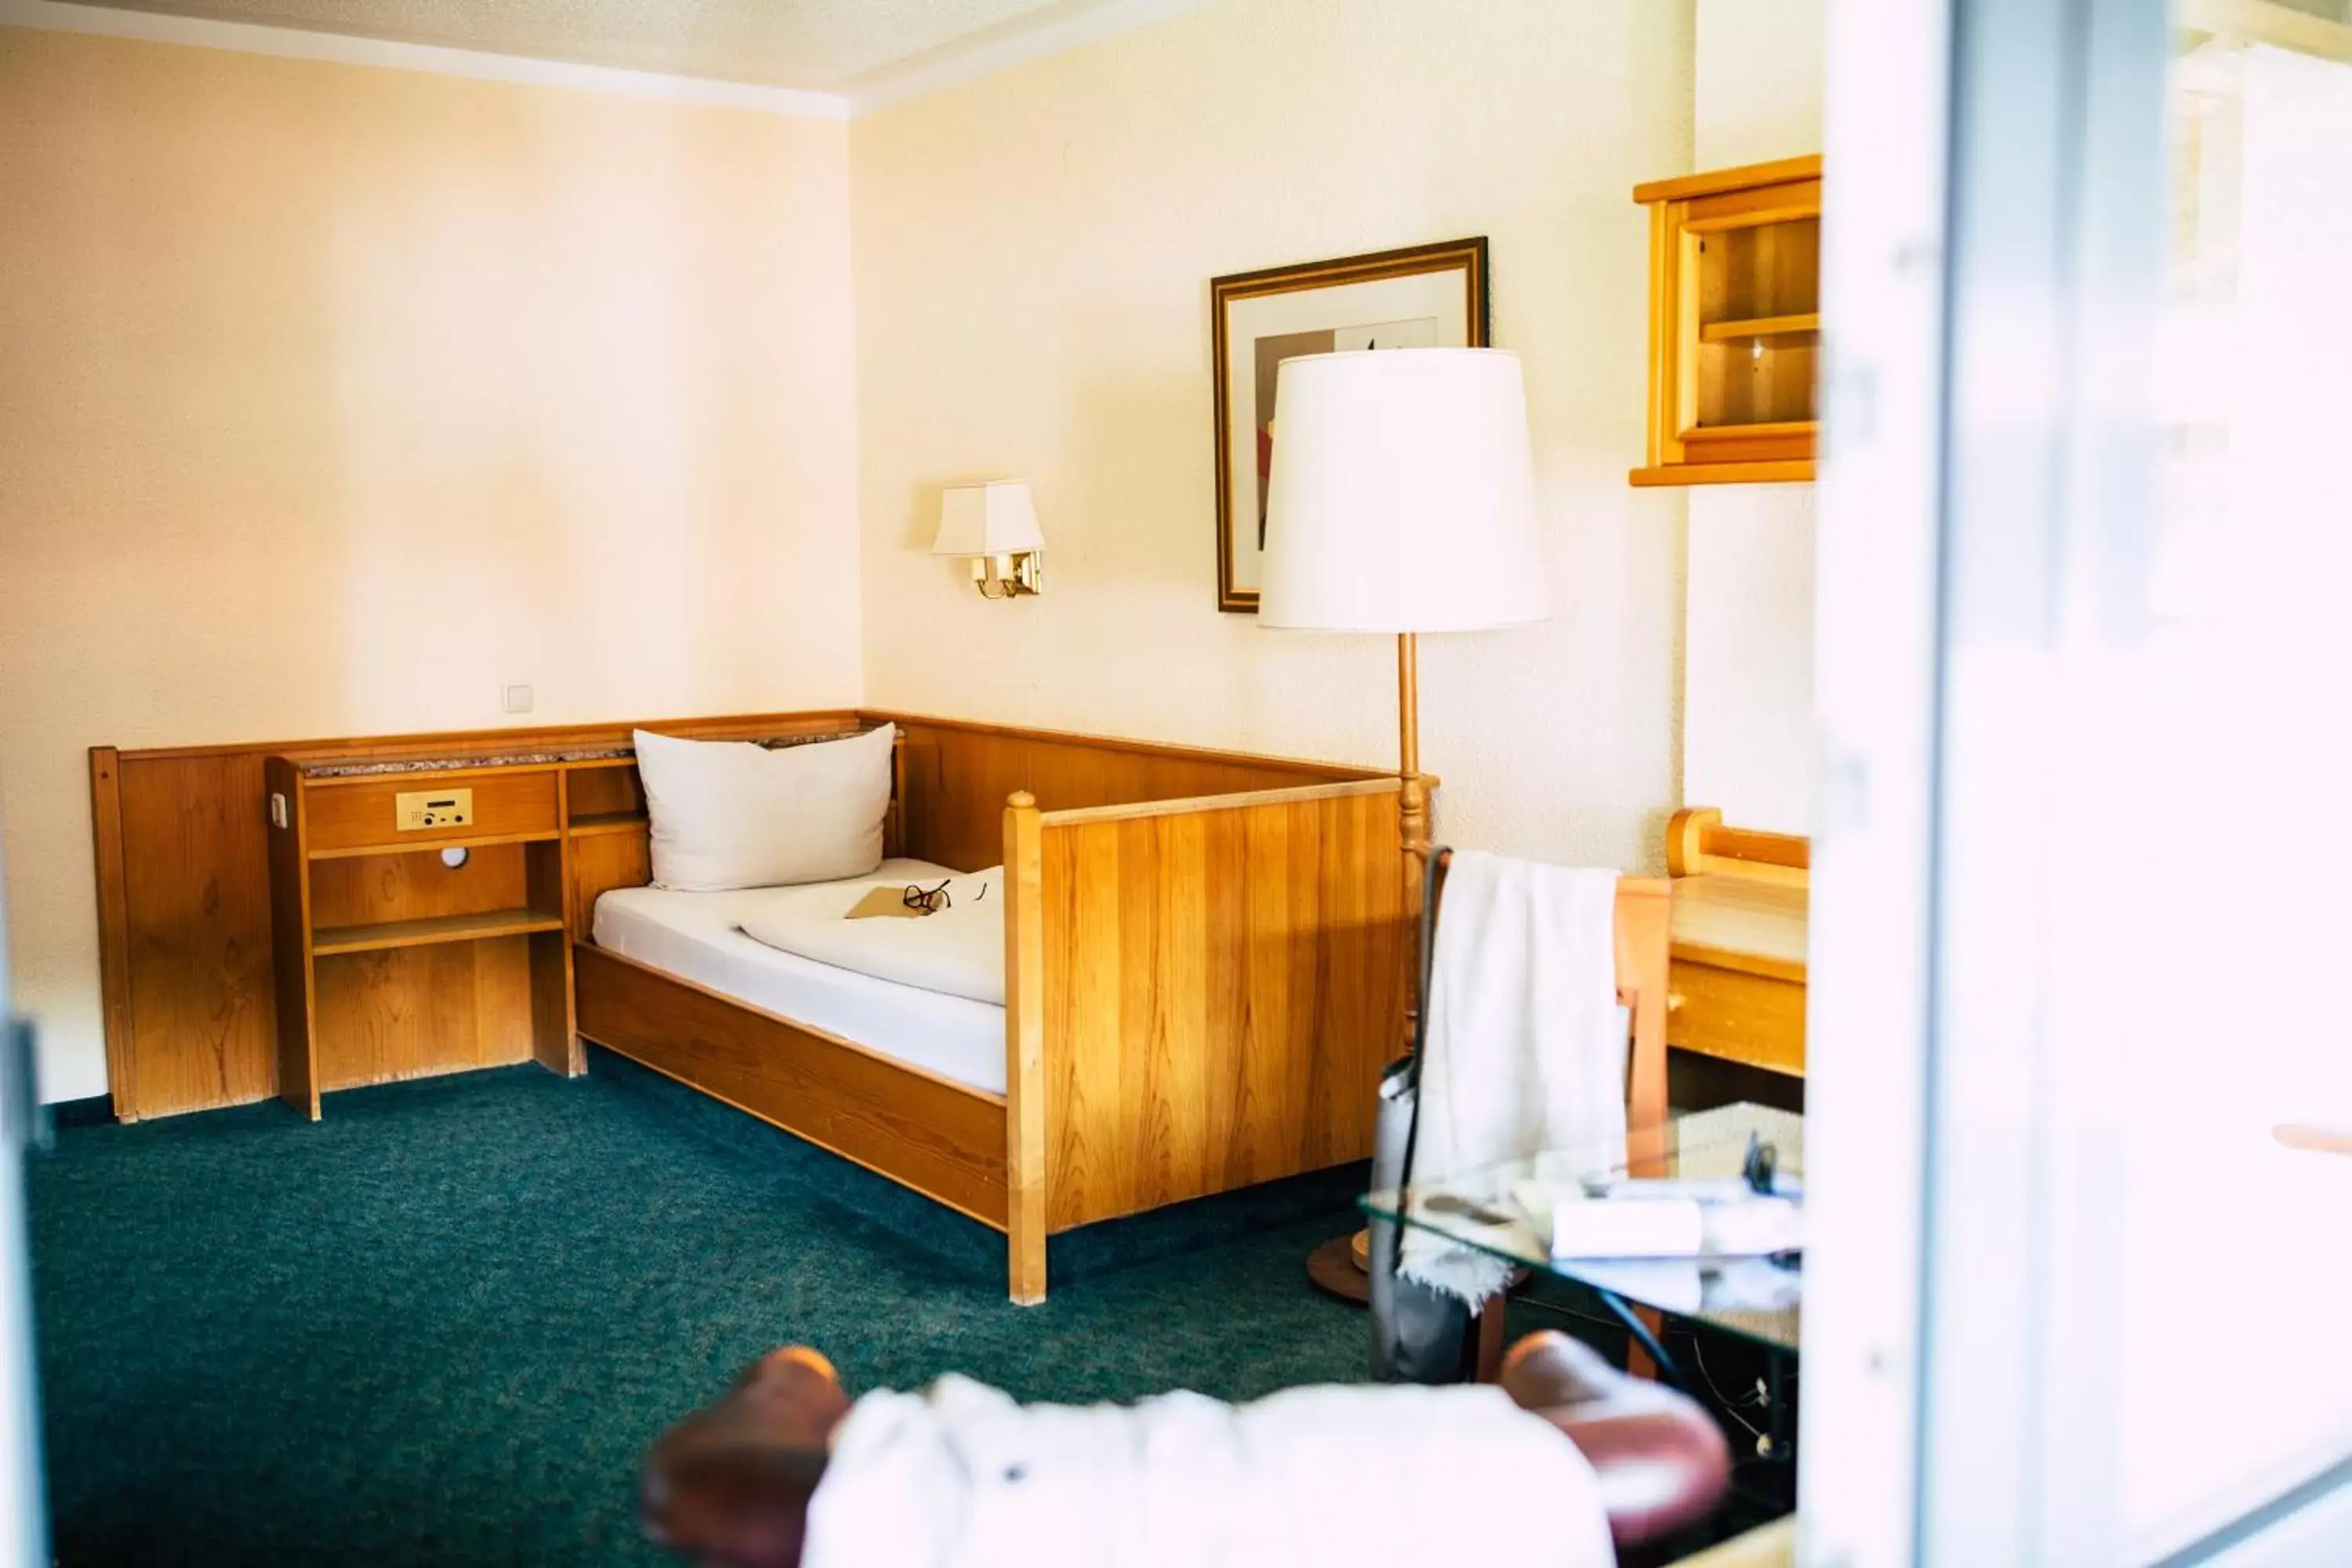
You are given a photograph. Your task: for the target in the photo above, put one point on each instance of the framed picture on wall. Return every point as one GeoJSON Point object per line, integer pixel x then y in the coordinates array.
{"type": "Point", "coordinates": [1430, 296]}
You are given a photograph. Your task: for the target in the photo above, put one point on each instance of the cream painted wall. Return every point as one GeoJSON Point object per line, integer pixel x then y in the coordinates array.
{"type": "Point", "coordinates": [334, 397]}
{"type": "Point", "coordinates": [1748, 669]}
{"type": "Point", "coordinates": [1032, 256]}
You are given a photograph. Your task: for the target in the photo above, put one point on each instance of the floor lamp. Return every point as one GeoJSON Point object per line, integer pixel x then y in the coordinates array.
{"type": "Point", "coordinates": [1401, 501]}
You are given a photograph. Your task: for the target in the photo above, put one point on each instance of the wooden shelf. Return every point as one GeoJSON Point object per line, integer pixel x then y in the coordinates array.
{"type": "Point", "coordinates": [328, 940]}
{"type": "Point", "coordinates": [1777, 429]}
{"type": "Point", "coordinates": [608, 822]}
{"type": "Point", "coordinates": [1760, 327]}
{"type": "Point", "coordinates": [1768, 471]}
{"type": "Point", "coordinates": [434, 846]}
{"type": "Point", "coordinates": [1734, 265]}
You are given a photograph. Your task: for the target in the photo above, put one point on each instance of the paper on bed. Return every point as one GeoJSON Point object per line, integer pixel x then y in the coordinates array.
{"type": "Point", "coordinates": [959, 950]}
{"type": "Point", "coordinates": [886, 903]}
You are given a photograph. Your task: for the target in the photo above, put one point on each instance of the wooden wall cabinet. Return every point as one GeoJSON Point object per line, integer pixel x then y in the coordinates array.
{"type": "Point", "coordinates": [1735, 324]}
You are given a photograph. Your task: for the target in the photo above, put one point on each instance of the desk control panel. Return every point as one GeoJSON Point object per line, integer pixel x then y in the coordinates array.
{"type": "Point", "coordinates": [415, 810]}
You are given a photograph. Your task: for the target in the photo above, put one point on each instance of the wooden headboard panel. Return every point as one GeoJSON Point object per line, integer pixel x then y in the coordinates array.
{"type": "Point", "coordinates": [955, 777]}
{"type": "Point", "coordinates": [1699, 845]}
{"type": "Point", "coordinates": [182, 864]}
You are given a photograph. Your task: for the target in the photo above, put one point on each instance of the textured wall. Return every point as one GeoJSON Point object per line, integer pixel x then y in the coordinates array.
{"type": "Point", "coordinates": [335, 397]}
{"type": "Point", "coordinates": [1747, 675]}
{"type": "Point", "coordinates": [1032, 255]}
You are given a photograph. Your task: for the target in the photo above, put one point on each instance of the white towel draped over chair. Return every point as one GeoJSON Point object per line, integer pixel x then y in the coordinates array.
{"type": "Point", "coordinates": [1525, 1044]}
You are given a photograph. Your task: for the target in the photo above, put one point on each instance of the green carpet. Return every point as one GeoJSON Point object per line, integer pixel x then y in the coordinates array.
{"type": "Point", "coordinates": [441, 1325]}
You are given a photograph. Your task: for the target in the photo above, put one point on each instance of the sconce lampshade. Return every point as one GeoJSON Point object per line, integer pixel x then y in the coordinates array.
{"type": "Point", "coordinates": [1403, 496]}
{"type": "Point", "coordinates": [994, 519]}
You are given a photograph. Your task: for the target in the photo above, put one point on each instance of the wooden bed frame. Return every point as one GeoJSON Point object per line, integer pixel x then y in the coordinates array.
{"type": "Point", "coordinates": [1206, 962]}
{"type": "Point", "coordinates": [1208, 954]}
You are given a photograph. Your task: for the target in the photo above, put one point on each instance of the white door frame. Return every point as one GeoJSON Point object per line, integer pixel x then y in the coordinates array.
{"type": "Point", "coordinates": [23, 1534]}
{"type": "Point", "coordinates": [1875, 680]}
{"type": "Point", "coordinates": [1993, 269]}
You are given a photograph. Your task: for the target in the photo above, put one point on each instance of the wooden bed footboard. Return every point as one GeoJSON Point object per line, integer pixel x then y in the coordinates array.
{"type": "Point", "coordinates": [1202, 995]}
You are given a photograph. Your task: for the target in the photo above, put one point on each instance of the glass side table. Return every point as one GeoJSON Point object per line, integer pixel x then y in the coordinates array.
{"type": "Point", "coordinates": [1760, 1301]}
{"type": "Point", "coordinates": [1504, 1210]}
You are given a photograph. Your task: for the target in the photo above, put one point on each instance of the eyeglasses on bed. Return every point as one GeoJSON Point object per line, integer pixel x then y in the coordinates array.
{"type": "Point", "coordinates": [931, 900]}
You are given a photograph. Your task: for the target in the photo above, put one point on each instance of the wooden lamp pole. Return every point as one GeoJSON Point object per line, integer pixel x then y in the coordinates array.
{"type": "Point", "coordinates": [1412, 807]}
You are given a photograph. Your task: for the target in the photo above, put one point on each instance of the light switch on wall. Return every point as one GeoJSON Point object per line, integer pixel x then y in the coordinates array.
{"type": "Point", "coordinates": [517, 700]}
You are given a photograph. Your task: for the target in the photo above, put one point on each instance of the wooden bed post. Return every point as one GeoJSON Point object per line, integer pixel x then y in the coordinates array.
{"type": "Point", "coordinates": [1024, 1051]}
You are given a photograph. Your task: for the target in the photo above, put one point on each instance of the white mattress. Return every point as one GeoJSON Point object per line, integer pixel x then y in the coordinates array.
{"type": "Point", "coordinates": [694, 936]}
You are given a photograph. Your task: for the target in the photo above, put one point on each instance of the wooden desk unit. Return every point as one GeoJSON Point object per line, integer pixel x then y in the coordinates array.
{"type": "Point", "coordinates": [409, 943]}
{"type": "Point", "coordinates": [1736, 963]}
{"type": "Point", "coordinates": [396, 965]}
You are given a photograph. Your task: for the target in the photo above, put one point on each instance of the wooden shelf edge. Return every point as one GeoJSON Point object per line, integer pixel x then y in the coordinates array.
{"type": "Point", "coordinates": [1755, 963]}
{"type": "Point", "coordinates": [1760, 327]}
{"type": "Point", "coordinates": [1776, 429]}
{"type": "Point", "coordinates": [1783, 471]}
{"type": "Point", "coordinates": [1715, 181]}
{"type": "Point", "coordinates": [434, 846]}
{"type": "Point", "coordinates": [328, 940]}
{"type": "Point", "coordinates": [609, 822]}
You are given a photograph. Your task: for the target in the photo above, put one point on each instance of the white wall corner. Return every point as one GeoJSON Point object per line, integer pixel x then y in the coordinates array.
{"type": "Point", "coordinates": [342, 49]}
{"type": "Point", "coordinates": [1032, 36]}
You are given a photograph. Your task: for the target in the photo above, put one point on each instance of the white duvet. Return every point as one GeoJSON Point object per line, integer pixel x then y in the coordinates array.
{"type": "Point", "coordinates": [959, 950]}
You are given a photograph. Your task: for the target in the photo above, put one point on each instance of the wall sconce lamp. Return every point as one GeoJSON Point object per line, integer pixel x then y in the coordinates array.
{"type": "Point", "coordinates": [995, 524]}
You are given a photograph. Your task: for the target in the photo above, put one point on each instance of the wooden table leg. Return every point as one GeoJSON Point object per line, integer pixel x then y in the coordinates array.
{"type": "Point", "coordinates": [1488, 1337]}
{"type": "Point", "coordinates": [1637, 1359]}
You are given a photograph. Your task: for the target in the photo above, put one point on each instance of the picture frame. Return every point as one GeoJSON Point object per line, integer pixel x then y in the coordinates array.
{"type": "Point", "coordinates": [1430, 296]}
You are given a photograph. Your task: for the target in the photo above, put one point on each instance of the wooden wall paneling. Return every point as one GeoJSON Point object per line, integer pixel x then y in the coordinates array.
{"type": "Point", "coordinates": [461, 743]}
{"type": "Point", "coordinates": [113, 926]}
{"type": "Point", "coordinates": [943, 1139]}
{"type": "Point", "coordinates": [184, 894]}
{"type": "Point", "coordinates": [957, 777]}
{"type": "Point", "coordinates": [601, 862]}
{"type": "Point", "coordinates": [1224, 983]}
{"type": "Point", "coordinates": [1025, 1023]}
{"type": "Point", "coordinates": [202, 978]}
{"type": "Point", "coordinates": [417, 1012]}
{"type": "Point", "coordinates": [554, 1032]}
{"type": "Point", "coordinates": [894, 817]}
{"type": "Point", "coordinates": [293, 978]}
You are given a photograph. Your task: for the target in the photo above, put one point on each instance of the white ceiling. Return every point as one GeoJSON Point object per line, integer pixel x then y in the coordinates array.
{"type": "Point", "coordinates": [821, 45]}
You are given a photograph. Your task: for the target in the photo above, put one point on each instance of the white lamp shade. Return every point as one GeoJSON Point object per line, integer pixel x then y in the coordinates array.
{"type": "Point", "coordinates": [995, 518]}
{"type": "Point", "coordinates": [1402, 495]}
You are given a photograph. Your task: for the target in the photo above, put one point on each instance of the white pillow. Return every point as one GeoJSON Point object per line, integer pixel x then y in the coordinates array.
{"type": "Point", "coordinates": [731, 814]}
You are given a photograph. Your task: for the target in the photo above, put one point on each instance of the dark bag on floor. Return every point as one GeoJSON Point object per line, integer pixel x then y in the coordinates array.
{"type": "Point", "coordinates": [1419, 1335]}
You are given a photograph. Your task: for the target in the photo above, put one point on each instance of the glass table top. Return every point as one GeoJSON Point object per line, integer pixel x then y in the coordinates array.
{"type": "Point", "coordinates": [1507, 1210]}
